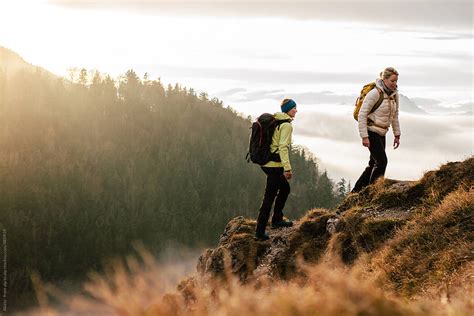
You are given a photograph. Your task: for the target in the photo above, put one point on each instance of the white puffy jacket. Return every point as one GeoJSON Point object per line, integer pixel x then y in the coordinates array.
{"type": "Point", "coordinates": [380, 120]}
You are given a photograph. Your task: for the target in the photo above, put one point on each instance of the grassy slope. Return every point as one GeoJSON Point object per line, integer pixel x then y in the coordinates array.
{"type": "Point", "coordinates": [401, 248]}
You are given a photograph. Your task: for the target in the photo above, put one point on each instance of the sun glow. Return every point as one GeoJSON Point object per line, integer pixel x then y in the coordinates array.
{"type": "Point", "coordinates": [113, 41]}
{"type": "Point", "coordinates": [259, 55]}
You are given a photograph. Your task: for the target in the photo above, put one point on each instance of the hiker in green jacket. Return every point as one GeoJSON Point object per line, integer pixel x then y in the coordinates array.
{"type": "Point", "coordinates": [278, 173]}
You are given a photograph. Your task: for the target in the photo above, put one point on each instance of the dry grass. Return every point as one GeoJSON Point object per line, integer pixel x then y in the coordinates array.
{"type": "Point", "coordinates": [328, 288]}
{"type": "Point", "coordinates": [428, 250]}
{"type": "Point", "coordinates": [416, 264]}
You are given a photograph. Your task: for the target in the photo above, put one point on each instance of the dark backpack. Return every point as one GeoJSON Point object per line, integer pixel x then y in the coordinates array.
{"type": "Point", "coordinates": [261, 139]}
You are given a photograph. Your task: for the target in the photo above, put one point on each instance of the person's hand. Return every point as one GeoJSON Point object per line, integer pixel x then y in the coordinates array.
{"type": "Point", "coordinates": [366, 142]}
{"type": "Point", "coordinates": [396, 142]}
{"type": "Point", "coordinates": [288, 174]}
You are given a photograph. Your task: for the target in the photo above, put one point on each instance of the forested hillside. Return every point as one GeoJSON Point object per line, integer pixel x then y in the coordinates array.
{"type": "Point", "coordinates": [89, 164]}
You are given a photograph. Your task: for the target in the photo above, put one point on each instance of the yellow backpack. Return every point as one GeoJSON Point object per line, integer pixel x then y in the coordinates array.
{"type": "Point", "coordinates": [365, 90]}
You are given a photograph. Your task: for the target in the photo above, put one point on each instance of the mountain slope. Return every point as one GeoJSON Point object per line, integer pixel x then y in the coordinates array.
{"type": "Point", "coordinates": [419, 234]}
{"type": "Point", "coordinates": [11, 63]}
{"type": "Point", "coordinates": [402, 248]}
{"type": "Point", "coordinates": [409, 106]}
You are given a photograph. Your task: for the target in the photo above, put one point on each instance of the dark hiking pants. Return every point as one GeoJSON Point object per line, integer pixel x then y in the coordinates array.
{"type": "Point", "coordinates": [277, 187]}
{"type": "Point", "coordinates": [377, 163]}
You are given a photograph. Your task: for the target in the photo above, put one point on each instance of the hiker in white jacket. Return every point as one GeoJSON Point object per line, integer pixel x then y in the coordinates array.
{"type": "Point", "coordinates": [374, 126]}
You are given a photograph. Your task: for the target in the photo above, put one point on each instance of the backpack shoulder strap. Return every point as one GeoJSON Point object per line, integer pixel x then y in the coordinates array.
{"type": "Point", "coordinates": [379, 101]}
{"type": "Point", "coordinates": [278, 123]}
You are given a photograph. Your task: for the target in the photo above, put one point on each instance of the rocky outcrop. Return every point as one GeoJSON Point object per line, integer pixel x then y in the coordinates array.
{"type": "Point", "coordinates": [275, 258]}
{"type": "Point", "coordinates": [362, 223]}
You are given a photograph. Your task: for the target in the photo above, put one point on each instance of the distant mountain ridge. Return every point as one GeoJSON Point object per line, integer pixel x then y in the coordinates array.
{"type": "Point", "coordinates": [465, 108]}
{"type": "Point", "coordinates": [321, 98]}
{"type": "Point", "coordinates": [409, 106]}
{"type": "Point", "coordinates": [11, 62]}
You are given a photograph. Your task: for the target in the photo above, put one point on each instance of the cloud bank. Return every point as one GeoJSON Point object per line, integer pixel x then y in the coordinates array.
{"type": "Point", "coordinates": [414, 76]}
{"type": "Point", "coordinates": [426, 142]}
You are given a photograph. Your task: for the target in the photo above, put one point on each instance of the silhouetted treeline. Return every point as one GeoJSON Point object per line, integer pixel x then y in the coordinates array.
{"type": "Point", "coordinates": [90, 165]}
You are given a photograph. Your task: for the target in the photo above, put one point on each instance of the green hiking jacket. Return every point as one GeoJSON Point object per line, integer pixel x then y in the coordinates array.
{"type": "Point", "coordinates": [281, 142]}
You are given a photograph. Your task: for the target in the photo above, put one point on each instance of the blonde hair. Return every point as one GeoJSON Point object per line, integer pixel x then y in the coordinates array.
{"type": "Point", "coordinates": [387, 72]}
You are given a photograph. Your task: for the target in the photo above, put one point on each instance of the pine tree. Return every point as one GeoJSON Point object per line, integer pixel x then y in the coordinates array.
{"type": "Point", "coordinates": [83, 77]}
{"type": "Point", "coordinates": [113, 161]}
{"type": "Point", "coordinates": [341, 188]}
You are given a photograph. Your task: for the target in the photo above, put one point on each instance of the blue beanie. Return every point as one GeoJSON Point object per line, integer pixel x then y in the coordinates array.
{"type": "Point", "coordinates": [287, 105]}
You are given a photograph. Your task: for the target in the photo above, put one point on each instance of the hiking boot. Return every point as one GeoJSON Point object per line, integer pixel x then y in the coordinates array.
{"type": "Point", "coordinates": [261, 237]}
{"type": "Point", "coordinates": [282, 224]}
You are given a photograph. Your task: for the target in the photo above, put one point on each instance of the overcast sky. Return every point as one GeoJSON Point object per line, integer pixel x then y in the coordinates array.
{"type": "Point", "coordinates": [251, 54]}
{"type": "Point", "coordinates": [437, 15]}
